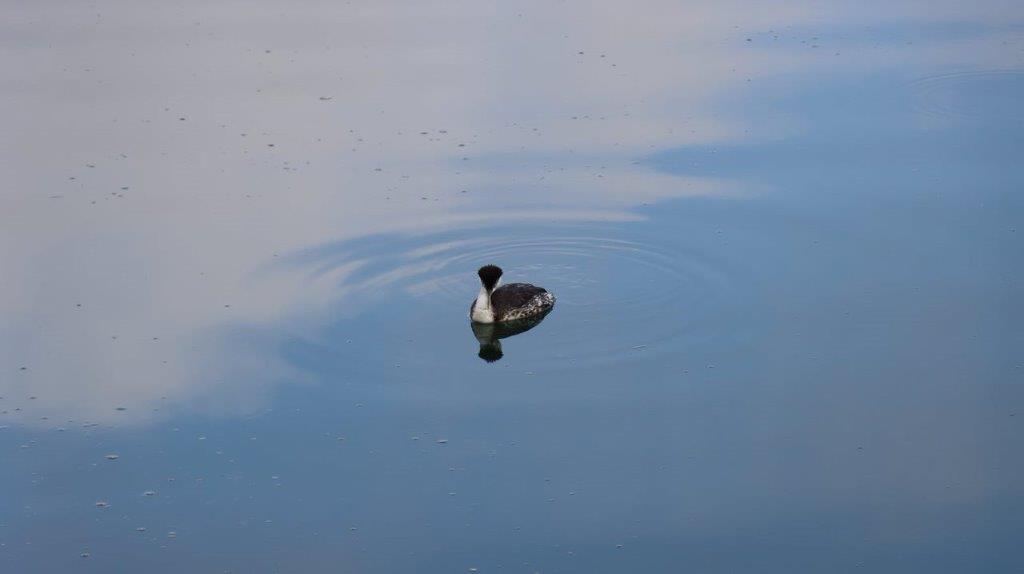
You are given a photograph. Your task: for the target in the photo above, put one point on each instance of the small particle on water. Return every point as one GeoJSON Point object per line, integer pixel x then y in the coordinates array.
{"type": "Point", "coordinates": [172, 534]}
{"type": "Point", "coordinates": [442, 441]}
{"type": "Point", "coordinates": [84, 554]}
{"type": "Point", "coordinates": [112, 456]}
{"type": "Point", "coordinates": [102, 504]}
{"type": "Point", "coordinates": [149, 493]}
{"type": "Point", "coordinates": [140, 529]}
{"type": "Point", "coordinates": [121, 408]}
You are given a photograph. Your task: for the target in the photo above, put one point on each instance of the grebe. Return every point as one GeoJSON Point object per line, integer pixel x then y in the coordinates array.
{"type": "Point", "coordinates": [509, 302]}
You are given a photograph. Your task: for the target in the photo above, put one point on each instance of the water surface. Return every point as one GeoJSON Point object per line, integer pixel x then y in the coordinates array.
{"type": "Point", "coordinates": [239, 244]}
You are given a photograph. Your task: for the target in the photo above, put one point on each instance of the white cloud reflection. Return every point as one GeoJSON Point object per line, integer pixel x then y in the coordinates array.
{"type": "Point", "coordinates": [159, 157]}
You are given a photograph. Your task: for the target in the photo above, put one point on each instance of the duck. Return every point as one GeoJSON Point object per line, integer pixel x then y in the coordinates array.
{"type": "Point", "coordinates": [512, 302]}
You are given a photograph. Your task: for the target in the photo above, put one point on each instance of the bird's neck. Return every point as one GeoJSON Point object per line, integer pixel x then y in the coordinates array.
{"type": "Point", "coordinates": [483, 299]}
{"type": "Point", "coordinates": [483, 312]}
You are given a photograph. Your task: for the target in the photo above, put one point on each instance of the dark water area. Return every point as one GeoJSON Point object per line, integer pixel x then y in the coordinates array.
{"type": "Point", "coordinates": [787, 255]}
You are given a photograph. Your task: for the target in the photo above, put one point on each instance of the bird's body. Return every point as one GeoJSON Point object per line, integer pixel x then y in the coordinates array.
{"type": "Point", "coordinates": [509, 302]}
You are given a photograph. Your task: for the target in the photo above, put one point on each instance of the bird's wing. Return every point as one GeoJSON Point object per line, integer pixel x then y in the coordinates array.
{"type": "Point", "coordinates": [514, 295]}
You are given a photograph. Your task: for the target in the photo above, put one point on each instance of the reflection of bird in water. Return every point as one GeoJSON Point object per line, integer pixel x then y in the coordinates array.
{"type": "Point", "coordinates": [490, 334]}
{"type": "Point", "coordinates": [509, 302]}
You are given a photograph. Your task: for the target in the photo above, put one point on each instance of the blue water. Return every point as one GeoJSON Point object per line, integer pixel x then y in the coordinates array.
{"type": "Point", "coordinates": [787, 337]}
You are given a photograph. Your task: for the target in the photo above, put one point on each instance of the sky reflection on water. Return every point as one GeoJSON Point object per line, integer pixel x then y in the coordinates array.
{"type": "Point", "coordinates": [239, 245]}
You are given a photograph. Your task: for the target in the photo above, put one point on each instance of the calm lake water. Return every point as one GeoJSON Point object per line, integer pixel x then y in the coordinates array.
{"type": "Point", "coordinates": [239, 242]}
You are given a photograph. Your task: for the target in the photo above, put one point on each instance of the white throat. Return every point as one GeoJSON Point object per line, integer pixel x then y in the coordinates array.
{"type": "Point", "coordinates": [483, 311]}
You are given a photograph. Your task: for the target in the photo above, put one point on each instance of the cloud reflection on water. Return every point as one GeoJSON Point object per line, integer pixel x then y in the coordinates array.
{"type": "Point", "coordinates": [168, 155]}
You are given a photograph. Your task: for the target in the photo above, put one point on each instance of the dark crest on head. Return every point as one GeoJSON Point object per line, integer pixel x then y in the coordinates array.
{"type": "Point", "coordinates": [489, 275]}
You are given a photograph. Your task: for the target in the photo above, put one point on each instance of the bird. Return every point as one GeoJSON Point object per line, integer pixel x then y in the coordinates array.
{"type": "Point", "coordinates": [509, 302]}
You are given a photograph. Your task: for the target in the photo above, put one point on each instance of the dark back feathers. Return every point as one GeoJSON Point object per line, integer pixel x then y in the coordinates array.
{"type": "Point", "coordinates": [513, 295]}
